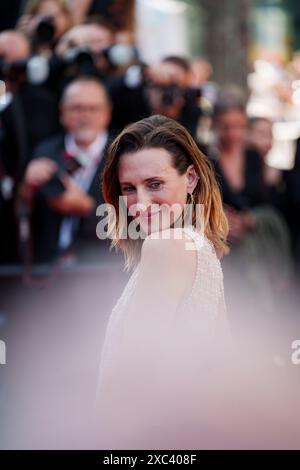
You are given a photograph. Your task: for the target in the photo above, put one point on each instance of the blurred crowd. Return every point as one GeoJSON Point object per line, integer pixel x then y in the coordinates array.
{"type": "Point", "coordinates": [74, 78]}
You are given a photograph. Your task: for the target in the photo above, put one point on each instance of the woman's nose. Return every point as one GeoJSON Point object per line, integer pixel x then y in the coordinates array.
{"type": "Point", "coordinates": [143, 200]}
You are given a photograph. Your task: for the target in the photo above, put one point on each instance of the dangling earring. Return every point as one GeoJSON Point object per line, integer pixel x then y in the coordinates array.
{"type": "Point", "coordinates": [192, 198]}
{"type": "Point", "coordinates": [189, 213]}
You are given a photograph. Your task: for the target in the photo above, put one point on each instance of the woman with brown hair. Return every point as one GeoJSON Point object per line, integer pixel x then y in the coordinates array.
{"type": "Point", "coordinates": [166, 215]}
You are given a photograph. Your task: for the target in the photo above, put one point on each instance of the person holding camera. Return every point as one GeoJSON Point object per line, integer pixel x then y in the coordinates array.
{"type": "Point", "coordinates": [162, 88]}
{"type": "Point", "coordinates": [93, 49]}
{"type": "Point", "coordinates": [44, 22]}
{"type": "Point", "coordinates": [61, 183]}
{"type": "Point", "coordinates": [21, 78]}
{"type": "Point", "coordinates": [28, 114]}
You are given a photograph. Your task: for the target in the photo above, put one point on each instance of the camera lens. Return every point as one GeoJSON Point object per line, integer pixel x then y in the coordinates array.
{"type": "Point", "coordinates": [45, 31]}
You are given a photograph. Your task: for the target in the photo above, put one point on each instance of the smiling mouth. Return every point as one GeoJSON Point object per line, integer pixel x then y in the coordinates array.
{"type": "Point", "coordinates": [148, 215]}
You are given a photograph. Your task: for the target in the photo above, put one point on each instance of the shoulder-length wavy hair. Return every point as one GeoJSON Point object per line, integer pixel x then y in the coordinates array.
{"type": "Point", "coordinates": [161, 132]}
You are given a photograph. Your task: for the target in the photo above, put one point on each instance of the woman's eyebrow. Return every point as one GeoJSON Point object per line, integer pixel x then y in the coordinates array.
{"type": "Point", "coordinates": [152, 178]}
{"type": "Point", "coordinates": [144, 181]}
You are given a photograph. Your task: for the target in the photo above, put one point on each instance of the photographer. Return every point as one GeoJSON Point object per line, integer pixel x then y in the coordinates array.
{"type": "Point", "coordinates": [62, 182]}
{"type": "Point", "coordinates": [44, 22]}
{"type": "Point", "coordinates": [28, 114]}
{"type": "Point", "coordinates": [37, 104]}
{"type": "Point", "coordinates": [158, 89]}
{"type": "Point", "coordinates": [89, 49]}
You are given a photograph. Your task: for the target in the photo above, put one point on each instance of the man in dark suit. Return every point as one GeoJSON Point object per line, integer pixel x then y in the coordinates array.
{"type": "Point", "coordinates": [62, 181]}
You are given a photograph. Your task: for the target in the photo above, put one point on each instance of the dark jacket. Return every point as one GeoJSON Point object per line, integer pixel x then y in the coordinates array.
{"type": "Point", "coordinates": [253, 192]}
{"type": "Point", "coordinates": [46, 222]}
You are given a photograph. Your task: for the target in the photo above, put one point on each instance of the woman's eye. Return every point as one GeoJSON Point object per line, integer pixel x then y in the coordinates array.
{"type": "Point", "coordinates": [155, 185]}
{"type": "Point", "coordinates": [127, 190]}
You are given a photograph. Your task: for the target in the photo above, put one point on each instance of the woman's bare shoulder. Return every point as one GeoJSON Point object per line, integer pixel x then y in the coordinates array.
{"type": "Point", "coordinates": [167, 250]}
{"type": "Point", "coordinates": [166, 273]}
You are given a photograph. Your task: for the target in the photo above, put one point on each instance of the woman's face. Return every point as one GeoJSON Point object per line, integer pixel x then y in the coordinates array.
{"type": "Point", "coordinates": [152, 185]}
{"type": "Point", "coordinates": [231, 127]}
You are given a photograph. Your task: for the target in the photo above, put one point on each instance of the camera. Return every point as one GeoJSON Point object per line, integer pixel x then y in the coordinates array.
{"type": "Point", "coordinates": [44, 32]}
{"type": "Point", "coordinates": [34, 70]}
{"type": "Point", "coordinates": [80, 60]}
{"type": "Point", "coordinates": [168, 94]}
{"type": "Point", "coordinates": [85, 61]}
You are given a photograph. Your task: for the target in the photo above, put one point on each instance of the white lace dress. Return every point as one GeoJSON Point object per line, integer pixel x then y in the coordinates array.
{"type": "Point", "coordinates": [197, 318]}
